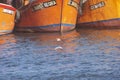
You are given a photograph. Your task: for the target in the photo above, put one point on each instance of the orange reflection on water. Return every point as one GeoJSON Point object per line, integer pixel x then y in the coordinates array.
{"type": "Point", "coordinates": [61, 42]}
{"type": "Point", "coordinates": [106, 40]}
{"type": "Point", "coordinates": [99, 35]}
{"type": "Point", "coordinates": [64, 42]}
{"type": "Point", "coordinates": [7, 44]}
{"type": "Point", "coordinates": [10, 38]}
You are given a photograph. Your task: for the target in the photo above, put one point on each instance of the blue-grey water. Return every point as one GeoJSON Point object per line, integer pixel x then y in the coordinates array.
{"type": "Point", "coordinates": [76, 55]}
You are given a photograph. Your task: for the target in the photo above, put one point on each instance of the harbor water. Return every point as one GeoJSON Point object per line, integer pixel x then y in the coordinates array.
{"type": "Point", "coordinates": [83, 54]}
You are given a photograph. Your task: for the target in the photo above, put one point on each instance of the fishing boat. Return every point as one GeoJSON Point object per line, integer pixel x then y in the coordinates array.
{"type": "Point", "coordinates": [7, 18]}
{"type": "Point", "coordinates": [48, 16]}
{"type": "Point", "coordinates": [100, 14]}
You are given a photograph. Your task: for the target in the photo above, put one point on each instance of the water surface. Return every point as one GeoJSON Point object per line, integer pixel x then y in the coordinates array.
{"type": "Point", "coordinates": [76, 55]}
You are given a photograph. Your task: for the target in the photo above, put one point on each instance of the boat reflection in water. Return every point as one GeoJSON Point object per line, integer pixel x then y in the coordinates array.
{"type": "Point", "coordinates": [38, 42]}
{"type": "Point", "coordinates": [106, 41]}
{"type": "Point", "coordinates": [8, 45]}
{"type": "Point", "coordinates": [99, 35]}
{"type": "Point", "coordinates": [77, 55]}
{"type": "Point", "coordinates": [51, 41]}
{"type": "Point", "coordinates": [69, 42]}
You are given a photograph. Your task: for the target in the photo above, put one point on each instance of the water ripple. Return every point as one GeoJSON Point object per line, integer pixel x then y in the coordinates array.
{"type": "Point", "coordinates": [75, 55]}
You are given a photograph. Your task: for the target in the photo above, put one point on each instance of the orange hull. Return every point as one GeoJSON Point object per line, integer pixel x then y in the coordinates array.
{"type": "Point", "coordinates": [7, 14]}
{"type": "Point", "coordinates": [100, 14]}
{"type": "Point", "coordinates": [48, 15]}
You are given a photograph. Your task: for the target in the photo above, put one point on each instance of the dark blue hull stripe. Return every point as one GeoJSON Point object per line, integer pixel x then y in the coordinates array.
{"type": "Point", "coordinates": [100, 21]}
{"type": "Point", "coordinates": [48, 26]}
